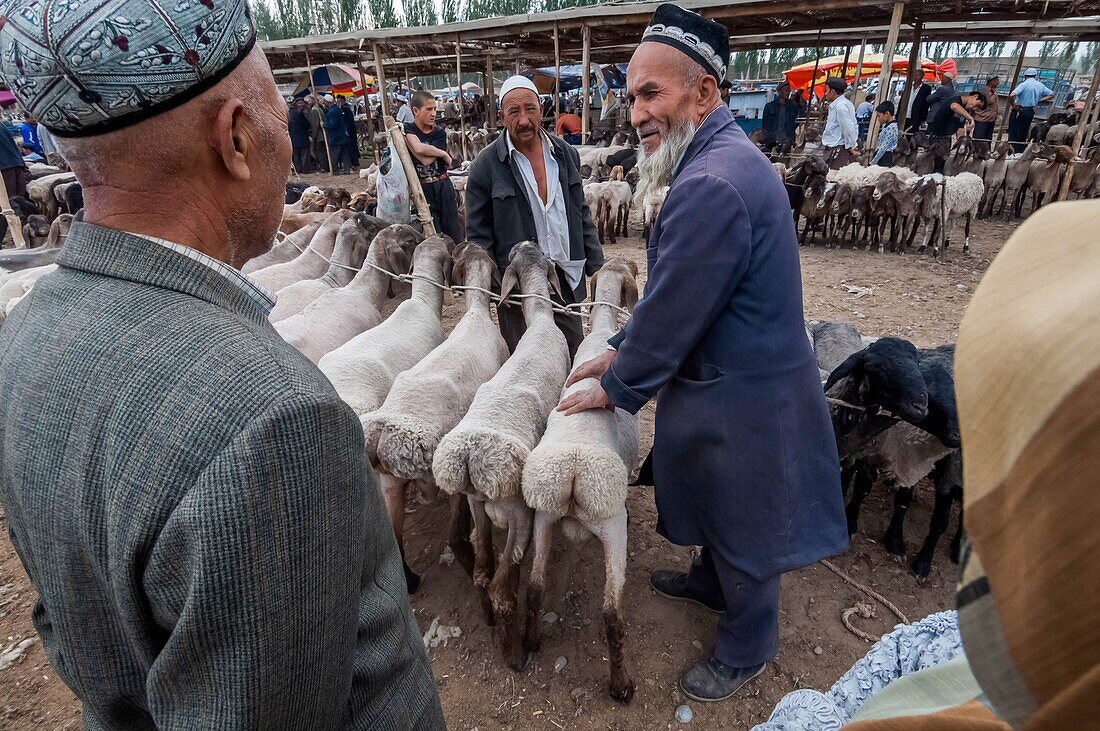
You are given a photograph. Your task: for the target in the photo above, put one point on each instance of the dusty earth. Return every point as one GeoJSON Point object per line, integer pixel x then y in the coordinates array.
{"type": "Point", "coordinates": [910, 296]}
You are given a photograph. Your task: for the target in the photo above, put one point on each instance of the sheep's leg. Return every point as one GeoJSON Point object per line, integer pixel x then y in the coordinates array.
{"type": "Point", "coordinates": [612, 534]}
{"type": "Point", "coordinates": [941, 514]}
{"type": "Point", "coordinates": [484, 558]}
{"type": "Point", "coordinates": [894, 538]}
{"type": "Point", "coordinates": [956, 542]}
{"type": "Point", "coordinates": [912, 234]}
{"type": "Point", "coordinates": [536, 581]}
{"type": "Point", "coordinates": [864, 481]}
{"type": "Point", "coordinates": [459, 538]}
{"type": "Point", "coordinates": [966, 241]}
{"type": "Point", "coordinates": [393, 493]}
{"type": "Point", "coordinates": [504, 589]}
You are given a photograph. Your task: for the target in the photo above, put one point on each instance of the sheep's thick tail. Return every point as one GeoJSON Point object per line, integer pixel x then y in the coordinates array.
{"type": "Point", "coordinates": [487, 462]}
{"type": "Point", "coordinates": [585, 481]}
{"type": "Point", "coordinates": [401, 445]}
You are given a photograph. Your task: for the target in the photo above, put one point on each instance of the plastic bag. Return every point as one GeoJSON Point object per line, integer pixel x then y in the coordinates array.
{"type": "Point", "coordinates": [393, 190]}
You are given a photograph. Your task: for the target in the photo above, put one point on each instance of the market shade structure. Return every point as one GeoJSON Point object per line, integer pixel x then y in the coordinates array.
{"type": "Point", "coordinates": [802, 75]}
{"type": "Point", "coordinates": [336, 78]}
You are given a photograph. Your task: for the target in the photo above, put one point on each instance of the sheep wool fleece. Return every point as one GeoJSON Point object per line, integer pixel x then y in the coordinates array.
{"type": "Point", "coordinates": [744, 457]}
{"type": "Point", "coordinates": [190, 499]}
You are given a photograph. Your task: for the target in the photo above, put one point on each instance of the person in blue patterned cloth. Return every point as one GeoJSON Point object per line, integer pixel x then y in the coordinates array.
{"type": "Point", "coordinates": [186, 491]}
{"type": "Point", "coordinates": [887, 135]}
{"type": "Point", "coordinates": [744, 458]}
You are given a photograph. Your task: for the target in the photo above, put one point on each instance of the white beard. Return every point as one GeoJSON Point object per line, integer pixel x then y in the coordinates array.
{"type": "Point", "coordinates": [655, 170]}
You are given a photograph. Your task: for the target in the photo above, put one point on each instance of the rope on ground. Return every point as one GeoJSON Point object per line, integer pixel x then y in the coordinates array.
{"type": "Point", "coordinates": [862, 608]}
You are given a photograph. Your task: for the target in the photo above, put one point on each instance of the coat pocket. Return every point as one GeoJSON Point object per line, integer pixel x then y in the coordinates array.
{"type": "Point", "coordinates": [699, 372]}
{"type": "Point", "coordinates": [503, 190]}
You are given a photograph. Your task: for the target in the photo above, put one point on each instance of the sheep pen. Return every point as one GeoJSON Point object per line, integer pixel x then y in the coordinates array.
{"type": "Point", "coordinates": [913, 297]}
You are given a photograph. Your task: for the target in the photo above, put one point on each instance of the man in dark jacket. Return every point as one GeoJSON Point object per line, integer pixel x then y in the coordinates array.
{"type": "Point", "coordinates": [526, 186]}
{"type": "Point", "coordinates": [744, 457]}
{"type": "Point", "coordinates": [318, 148]}
{"type": "Point", "coordinates": [919, 114]}
{"type": "Point", "coordinates": [351, 133]}
{"type": "Point", "coordinates": [298, 123]}
{"type": "Point", "coordinates": [780, 118]}
{"type": "Point", "coordinates": [207, 540]}
{"type": "Point", "coordinates": [337, 131]}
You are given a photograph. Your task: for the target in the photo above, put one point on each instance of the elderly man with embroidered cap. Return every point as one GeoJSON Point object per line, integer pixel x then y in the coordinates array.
{"type": "Point", "coordinates": [526, 186]}
{"type": "Point", "coordinates": [744, 460]}
{"type": "Point", "coordinates": [186, 491]}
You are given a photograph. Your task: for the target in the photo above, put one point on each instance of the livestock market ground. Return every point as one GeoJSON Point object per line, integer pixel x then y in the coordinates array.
{"type": "Point", "coordinates": [911, 296]}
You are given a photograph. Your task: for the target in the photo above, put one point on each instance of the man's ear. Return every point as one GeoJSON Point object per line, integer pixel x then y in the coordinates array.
{"type": "Point", "coordinates": [230, 141]}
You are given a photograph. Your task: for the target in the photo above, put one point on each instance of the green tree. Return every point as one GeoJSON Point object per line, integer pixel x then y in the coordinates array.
{"type": "Point", "coordinates": [420, 12]}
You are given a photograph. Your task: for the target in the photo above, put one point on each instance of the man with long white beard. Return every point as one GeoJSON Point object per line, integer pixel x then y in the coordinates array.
{"type": "Point", "coordinates": [744, 460]}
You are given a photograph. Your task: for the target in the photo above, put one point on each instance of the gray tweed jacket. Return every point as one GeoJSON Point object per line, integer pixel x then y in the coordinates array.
{"type": "Point", "coordinates": [190, 499]}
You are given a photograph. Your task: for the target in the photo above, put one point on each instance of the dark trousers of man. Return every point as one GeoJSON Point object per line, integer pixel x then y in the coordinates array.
{"type": "Point", "coordinates": [984, 131]}
{"type": "Point", "coordinates": [353, 152]}
{"type": "Point", "coordinates": [512, 324]}
{"type": "Point", "coordinates": [443, 203]}
{"type": "Point", "coordinates": [341, 162]}
{"type": "Point", "coordinates": [748, 631]}
{"type": "Point", "coordinates": [302, 162]}
{"type": "Point", "coordinates": [320, 157]}
{"type": "Point", "coordinates": [1019, 124]}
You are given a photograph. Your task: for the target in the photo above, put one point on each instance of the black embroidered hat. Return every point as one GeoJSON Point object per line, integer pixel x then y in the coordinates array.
{"type": "Point", "coordinates": [705, 41]}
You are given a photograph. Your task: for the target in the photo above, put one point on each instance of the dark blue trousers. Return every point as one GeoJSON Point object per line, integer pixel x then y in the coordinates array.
{"type": "Point", "coordinates": [748, 631]}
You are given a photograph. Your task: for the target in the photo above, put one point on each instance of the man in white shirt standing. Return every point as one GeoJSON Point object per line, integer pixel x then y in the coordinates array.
{"type": "Point", "coordinates": [404, 111]}
{"type": "Point", "coordinates": [526, 186]}
{"type": "Point", "coordinates": [841, 136]}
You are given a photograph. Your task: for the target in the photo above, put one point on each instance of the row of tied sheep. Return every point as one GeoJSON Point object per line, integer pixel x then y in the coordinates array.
{"type": "Point", "coordinates": [46, 212]}
{"type": "Point", "coordinates": [456, 413]}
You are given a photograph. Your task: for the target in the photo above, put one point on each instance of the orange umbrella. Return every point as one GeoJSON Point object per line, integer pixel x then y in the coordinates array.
{"type": "Point", "coordinates": [801, 76]}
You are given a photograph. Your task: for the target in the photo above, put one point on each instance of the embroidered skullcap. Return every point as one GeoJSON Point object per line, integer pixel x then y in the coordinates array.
{"type": "Point", "coordinates": [517, 82]}
{"type": "Point", "coordinates": [84, 68]}
{"type": "Point", "coordinates": [704, 41]}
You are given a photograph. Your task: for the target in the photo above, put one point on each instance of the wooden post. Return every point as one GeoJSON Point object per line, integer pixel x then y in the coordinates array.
{"type": "Point", "coordinates": [416, 192]}
{"type": "Point", "coordinates": [461, 100]}
{"type": "Point", "coordinates": [380, 79]}
{"type": "Point", "coordinates": [557, 77]}
{"type": "Point", "coordinates": [1015, 81]}
{"type": "Point", "coordinates": [847, 58]}
{"type": "Point", "coordinates": [490, 94]}
{"type": "Point", "coordinates": [859, 63]}
{"type": "Point", "coordinates": [813, 80]}
{"type": "Point", "coordinates": [887, 67]}
{"type": "Point", "coordinates": [914, 74]}
{"type": "Point", "coordinates": [14, 224]}
{"type": "Point", "coordinates": [367, 110]}
{"type": "Point", "coordinates": [1079, 137]}
{"type": "Point", "coordinates": [324, 117]}
{"type": "Point", "coordinates": [408, 84]}
{"type": "Point", "coordinates": [586, 79]}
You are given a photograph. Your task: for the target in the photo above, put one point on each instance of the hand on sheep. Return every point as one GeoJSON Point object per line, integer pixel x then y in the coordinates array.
{"type": "Point", "coordinates": [594, 368]}
{"type": "Point", "coordinates": [589, 398]}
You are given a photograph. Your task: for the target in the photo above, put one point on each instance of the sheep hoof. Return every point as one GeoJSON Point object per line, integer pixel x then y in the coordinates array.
{"type": "Point", "coordinates": [922, 566]}
{"type": "Point", "coordinates": [623, 694]}
{"type": "Point", "coordinates": [894, 545]}
{"type": "Point", "coordinates": [412, 581]}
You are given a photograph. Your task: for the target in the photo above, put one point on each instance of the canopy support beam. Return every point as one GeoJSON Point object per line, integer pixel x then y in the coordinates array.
{"type": "Point", "coordinates": [914, 75]}
{"type": "Point", "coordinates": [557, 77]}
{"type": "Point", "coordinates": [381, 80]}
{"type": "Point", "coordinates": [490, 94]}
{"type": "Point", "coordinates": [367, 111]}
{"type": "Point", "coordinates": [1015, 81]}
{"type": "Point", "coordinates": [586, 76]}
{"type": "Point", "coordinates": [324, 117]}
{"type": "Point", "coordinates": [887, 67]}
{"type": "Point", "coordinates": [461, 100]}
{"type": "Point", "coordinates": [1079, 136]}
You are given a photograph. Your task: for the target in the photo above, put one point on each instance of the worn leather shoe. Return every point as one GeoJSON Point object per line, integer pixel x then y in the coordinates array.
{"type": "Point", "coordinates": [711, 680]}
{"type": "Point", "coordinates": [673, 585]}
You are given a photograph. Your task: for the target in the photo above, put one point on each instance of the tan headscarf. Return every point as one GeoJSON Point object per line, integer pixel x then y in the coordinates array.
{"type": "Point", "coordinates": [1027, 381]}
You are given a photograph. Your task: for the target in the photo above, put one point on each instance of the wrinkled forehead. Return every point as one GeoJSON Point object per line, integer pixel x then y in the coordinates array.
{"type": "Point", "coordinates": [653, 65]}
{"type": "Point", "coordinates": [519, 98]}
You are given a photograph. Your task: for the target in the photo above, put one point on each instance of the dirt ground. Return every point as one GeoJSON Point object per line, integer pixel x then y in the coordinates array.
{"type": "Point", "coordinates": [910, 296]}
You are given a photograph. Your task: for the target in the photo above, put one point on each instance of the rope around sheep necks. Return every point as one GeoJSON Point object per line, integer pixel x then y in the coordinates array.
{"type": "Point", "coordinates": [574, 310]}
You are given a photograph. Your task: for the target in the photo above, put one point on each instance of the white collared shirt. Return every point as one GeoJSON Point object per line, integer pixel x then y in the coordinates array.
{"type": "Point", "coordinates": [840, 127]}
{"type": "Point", "coordinates": [260, 295]}
{"type": "Point", "coordinates": [551, 219]}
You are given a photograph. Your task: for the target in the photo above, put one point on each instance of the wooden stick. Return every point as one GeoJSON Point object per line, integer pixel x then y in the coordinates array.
{"type": "Point", "coordinates": [1079, 136]}
{"type": "Point", "coordinates": [586, 58]}
{"type": "Point", "coordinates": [416, 191]}
{"type": "Point", "coordinates": [1015, 81]}
{"type": "Point", "coordinates": [557, 77]}
{"type": "Point", "coordinates": [887, 68]}
{"type": "Point", "coordinates": [461, 100]}
{"type": "Point", "coordinates": [14, 224]}
{"type": "Point", "coordinates": [366, 108]}
{"type": "Point", "coordinates": [914, 75]}
{"type": "Point", "coordinates": [490, 94]}
{"type": "Point", "coordinates": [380, 79]}
{"type": "Point", "coordinates": [324, 116]}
